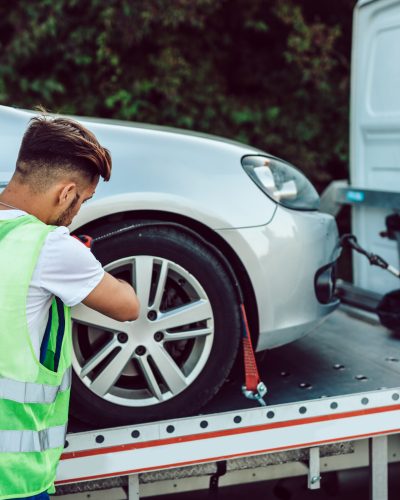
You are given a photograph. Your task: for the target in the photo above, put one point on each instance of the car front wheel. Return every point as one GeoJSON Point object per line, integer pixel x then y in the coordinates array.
{"type": "Point", "coordinates": [177, 354]}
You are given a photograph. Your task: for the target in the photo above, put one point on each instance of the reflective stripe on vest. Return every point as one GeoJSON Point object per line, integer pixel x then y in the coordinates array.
{"type": "Point", "coordinates": [28, 441]}
{"type": "Point", "coordinates": [28, 392]}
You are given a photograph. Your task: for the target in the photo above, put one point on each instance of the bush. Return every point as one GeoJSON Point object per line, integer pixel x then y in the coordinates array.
{"type": "Point", "coordinates": [274, 74]}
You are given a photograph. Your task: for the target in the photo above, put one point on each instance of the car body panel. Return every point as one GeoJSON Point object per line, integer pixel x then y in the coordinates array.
{"type": "Point", "coordinates": [166, 203]}
{"type": "Point", "coordinates": [231, 200]}
{"type": "Point", "coordinates": [283, 258]}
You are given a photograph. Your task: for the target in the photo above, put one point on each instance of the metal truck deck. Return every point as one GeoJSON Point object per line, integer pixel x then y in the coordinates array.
{"type": "Point", "coordinates": [328, 395]}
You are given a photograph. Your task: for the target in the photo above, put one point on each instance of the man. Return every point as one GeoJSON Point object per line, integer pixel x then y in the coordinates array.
{"type": "Point", "coordinates": [44, 271]}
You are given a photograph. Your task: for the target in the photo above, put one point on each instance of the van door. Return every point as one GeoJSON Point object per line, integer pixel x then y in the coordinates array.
{"type": "Point", "coordinates": [375, 129]}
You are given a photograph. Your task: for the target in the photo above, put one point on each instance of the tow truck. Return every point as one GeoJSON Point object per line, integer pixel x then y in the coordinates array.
{"type": "Point", "coordinates": [333, 400]}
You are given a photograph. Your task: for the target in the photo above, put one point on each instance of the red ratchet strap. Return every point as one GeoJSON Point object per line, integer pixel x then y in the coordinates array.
{"type": "Point", "coordinates": [254, 388]}
{"type": "Point", "coordinates": [84, 238]}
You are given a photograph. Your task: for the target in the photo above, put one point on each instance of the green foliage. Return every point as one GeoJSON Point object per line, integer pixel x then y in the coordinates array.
{"type": "Point", "coordinates": [272, 73]}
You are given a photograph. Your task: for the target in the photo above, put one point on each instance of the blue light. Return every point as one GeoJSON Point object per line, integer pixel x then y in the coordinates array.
{"type": "Point", "coordinates": [355, 196]}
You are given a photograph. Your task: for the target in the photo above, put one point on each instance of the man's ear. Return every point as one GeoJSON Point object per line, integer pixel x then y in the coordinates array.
{"type": "Point", "coordinates": [66, 193]}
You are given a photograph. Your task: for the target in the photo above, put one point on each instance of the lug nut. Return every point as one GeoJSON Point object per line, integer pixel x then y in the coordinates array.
{"type": "Point", "coordinates": [158, 336]}
{"type": "Point", "coordinates": [152, 315]}
{"type": "Point", "coordinates": [122, 337]}
{"type": "Point", "coordinates": [140, 350]}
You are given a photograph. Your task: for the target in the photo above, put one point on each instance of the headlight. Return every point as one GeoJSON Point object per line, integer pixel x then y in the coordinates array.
{"type": "Point", "coordinates": [282, 182]}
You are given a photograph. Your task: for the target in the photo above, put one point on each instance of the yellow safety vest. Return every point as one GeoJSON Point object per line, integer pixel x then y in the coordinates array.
{"type": "Point", "coordinates": [34, 395]}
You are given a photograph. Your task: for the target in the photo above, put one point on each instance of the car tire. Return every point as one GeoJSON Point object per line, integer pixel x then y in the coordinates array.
{"type": "Point", "coordinates": [194, 277]}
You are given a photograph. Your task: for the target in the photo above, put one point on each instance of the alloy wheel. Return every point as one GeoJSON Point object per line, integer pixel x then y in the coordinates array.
{"type": "Point", "coordinates": [153, 359]}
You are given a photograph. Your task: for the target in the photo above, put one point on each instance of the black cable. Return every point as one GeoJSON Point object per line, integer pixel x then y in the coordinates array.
{"type": "Point", "coordinates": [175, 225]}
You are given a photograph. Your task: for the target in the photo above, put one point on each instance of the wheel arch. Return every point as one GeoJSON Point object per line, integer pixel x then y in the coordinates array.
{"type": "Point", "coordinates": [221, 249]}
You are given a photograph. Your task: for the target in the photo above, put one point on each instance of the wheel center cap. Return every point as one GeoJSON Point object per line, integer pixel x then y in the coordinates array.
{"type": "Point", "coordinates": [143, 329]}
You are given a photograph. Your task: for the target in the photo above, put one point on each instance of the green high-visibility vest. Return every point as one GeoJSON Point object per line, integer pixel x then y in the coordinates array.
{"type": "Point", "coordinates": [34, 396]}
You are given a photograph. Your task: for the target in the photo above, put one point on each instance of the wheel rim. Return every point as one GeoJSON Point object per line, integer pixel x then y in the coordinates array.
{"type": "Point", "coordinates": [153, 359]}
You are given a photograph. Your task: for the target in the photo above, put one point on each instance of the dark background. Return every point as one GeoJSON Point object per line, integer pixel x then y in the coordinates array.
{"type": "Point", "coordinates": [272, 73]}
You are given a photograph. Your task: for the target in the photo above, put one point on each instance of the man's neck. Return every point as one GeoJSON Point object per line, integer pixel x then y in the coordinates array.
{"type": "Point", "coordinates": [20, 197]}
{"type": "Point", "coordinates": [6, 206]}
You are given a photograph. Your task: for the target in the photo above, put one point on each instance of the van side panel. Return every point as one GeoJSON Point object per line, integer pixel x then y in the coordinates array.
{"type": "Point", "coordinates": [375, 130]}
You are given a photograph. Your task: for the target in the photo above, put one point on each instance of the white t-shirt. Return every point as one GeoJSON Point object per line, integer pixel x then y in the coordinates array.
{"type": "Point", "coordinates": [65, 268]}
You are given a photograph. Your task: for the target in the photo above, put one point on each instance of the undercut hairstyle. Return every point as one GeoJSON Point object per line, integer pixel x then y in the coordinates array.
{"type": "Point", "coordinates": [58, 148]}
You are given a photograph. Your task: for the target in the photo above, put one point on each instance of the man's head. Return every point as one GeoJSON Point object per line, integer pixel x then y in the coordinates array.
{"type": "Point", "coordinates": [59, 165]}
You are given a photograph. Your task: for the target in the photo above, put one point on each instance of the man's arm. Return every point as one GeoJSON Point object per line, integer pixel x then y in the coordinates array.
{"type": "Point", "coordinates": [114, 298]}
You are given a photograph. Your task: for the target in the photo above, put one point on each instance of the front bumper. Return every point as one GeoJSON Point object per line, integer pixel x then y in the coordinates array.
{"type": "Point", "coordinates": [283, 259]}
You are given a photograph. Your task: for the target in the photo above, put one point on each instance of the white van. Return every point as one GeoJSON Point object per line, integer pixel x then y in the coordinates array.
{"type": "Point", "coordinates": [375, 132]}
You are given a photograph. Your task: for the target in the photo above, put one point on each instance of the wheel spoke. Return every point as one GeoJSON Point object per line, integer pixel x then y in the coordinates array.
{"type": "Point", "coordinates": [169, 370]}
{"type": "Point", "coordinates": [106, 379]}
{"type": "Point", "coordinates": [160, 285]}
{"type": "Point", "coordinates": [188, 334]}
{"type": "Point", "coordinates": [143, 274]}
{"type": "Point", "coordinates": [90, 317]}
{"type": "Point", "coordinates": [150, 378]}
{"type": "Point", "coordinates": [185, 315]}
{"type": "Point", "coordinates": [98, 357]}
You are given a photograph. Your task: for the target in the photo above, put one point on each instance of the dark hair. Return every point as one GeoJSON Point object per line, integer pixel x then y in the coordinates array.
{"type": "Point", "coordinates": [55, 147]}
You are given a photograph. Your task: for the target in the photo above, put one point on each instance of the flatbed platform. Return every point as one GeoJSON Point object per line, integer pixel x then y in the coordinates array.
{"type": "Point", "coordinates": [328, 395]}
{"type": "Point", "coordinates": [349, 353]}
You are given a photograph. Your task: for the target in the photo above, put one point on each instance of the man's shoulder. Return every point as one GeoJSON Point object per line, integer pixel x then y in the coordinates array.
{"type": "Point", "coordinates": [59, 233]}
{"type": "Point", "coordinates": [60, 239]}
{"type": "Point", "coordinates": [67, 268]}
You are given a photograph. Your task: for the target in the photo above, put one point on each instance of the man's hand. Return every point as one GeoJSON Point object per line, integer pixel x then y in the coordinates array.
{"type": "Point", "coordinates": [114, 298]}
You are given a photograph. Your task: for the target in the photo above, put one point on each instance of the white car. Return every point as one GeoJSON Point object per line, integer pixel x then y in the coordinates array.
{"type": "Point", "coordinates": [215, 221]}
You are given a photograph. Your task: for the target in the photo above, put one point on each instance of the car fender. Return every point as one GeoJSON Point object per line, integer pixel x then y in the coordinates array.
{"type": "Point", "coordinates": [153, 201]}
